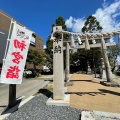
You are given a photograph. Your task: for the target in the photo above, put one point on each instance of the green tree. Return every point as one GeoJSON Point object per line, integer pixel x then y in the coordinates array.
{"type": "Point", "coordinates": [91, 25]}
{"type": "Point", "coordinates": [112, 55]}
{"type": "Point", "coordinates": [84, 56]}
{"type": "Point", "coordinates": [48, 51]}
{"type": "Point", "coordinates": [61, 22]}
{"type": "Point", "coordinates": [49, 44]}
{"type": "Point", "coordinates": [94, 54]}
{"type": "Point", "coordinates": [36, 58]}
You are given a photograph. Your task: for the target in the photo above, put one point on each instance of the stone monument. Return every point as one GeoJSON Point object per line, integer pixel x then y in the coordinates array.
{"type": "Point", "coordinates": [59, 97]}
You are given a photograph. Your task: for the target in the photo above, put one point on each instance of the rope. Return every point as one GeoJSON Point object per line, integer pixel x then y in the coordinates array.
{"type": "Point", "coordinates": [113, 33]}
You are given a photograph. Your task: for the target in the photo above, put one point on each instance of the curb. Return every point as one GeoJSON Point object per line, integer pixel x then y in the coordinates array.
{"type": "Point", "coordinates": [95, 115]}
{"type": "Point", "coordinates": [107, 114]}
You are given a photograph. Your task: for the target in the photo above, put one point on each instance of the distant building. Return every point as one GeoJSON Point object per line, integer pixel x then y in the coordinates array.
{"type": "Point", "coordinates": [5, 20]}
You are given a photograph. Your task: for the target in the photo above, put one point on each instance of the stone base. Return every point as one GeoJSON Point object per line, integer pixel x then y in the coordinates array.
{"type": "Point", "coordinates": [64, 102]}
{"type": "Point", "coordinates": [111, 84]}
{"type": "Point", "coordinates": [70, 83]}
{"type": "Point", "coordinates": [87, 115]}
{"type": "Point", "coordinates": [104, 76]}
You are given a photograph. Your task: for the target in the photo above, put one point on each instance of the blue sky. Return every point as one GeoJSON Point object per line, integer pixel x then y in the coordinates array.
{"type": "Point", "coordinates": [39, 15]}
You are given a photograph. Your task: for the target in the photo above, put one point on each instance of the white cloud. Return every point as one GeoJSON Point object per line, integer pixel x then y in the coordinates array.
{"type": "Point", "coordinates": [75, 24]}
{"type": "Point", "coordinates": [68, 22]}
{"type": "Point", "coordinates": [107, 16]}
{"type": "Point", "coordinates": [115, 15]}
{"type": "Point", "coordinates": [44, 47]}
{"type": "Point", "coordinates": [78, 24]}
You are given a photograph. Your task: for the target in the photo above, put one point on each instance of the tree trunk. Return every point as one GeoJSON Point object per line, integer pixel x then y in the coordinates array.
{"type": "Point", "coordinates": [34, 66]}
{"type": "Point", "coordinates": [95, 71]}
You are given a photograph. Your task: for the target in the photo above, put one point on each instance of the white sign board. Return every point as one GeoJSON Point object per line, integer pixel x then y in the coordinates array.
{"type": "Point", "coordinates": [13, 67]}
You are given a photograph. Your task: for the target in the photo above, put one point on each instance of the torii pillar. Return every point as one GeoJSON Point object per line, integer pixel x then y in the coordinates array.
{"type": "Point", "coordinates": [106, 61]}
{"type": "Point", "coordinates": [67, 70]}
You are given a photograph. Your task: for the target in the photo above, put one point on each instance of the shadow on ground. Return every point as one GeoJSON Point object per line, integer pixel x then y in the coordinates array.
{"type": "Point", "coordinates": [15, 107]}
{"type": "Point", "coordinates": [45, 92]}
{"type": "Point", "coordinates": [83, 93]}
{"type": "Point", "coordinates": [48, 80]}
{"type": "Point", "coordinates": [84, 81]}
{"type": "Point", "coordinates": [103, 92]}
{"type": "Point", "coordinates": [109, 92]}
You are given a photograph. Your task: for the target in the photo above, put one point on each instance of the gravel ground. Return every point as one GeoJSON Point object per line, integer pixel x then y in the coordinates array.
{"type": "Point", "coordinates": [36, 109]}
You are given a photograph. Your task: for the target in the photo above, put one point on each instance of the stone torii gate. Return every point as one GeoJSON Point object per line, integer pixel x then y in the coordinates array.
{"type": "Point", "coordinates": [59, 98]}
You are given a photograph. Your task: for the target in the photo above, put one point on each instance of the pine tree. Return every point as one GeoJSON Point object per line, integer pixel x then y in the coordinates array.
{"type": "Point", "coordinates": [94, 54]}
{"type": "Point", "coordinates": [49, 44]}
{"type": "Point", "coordinates": [91, 25]}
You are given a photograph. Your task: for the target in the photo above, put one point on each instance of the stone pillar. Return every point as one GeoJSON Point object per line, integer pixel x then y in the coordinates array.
{"type": "Point", "coordinates": [106, 61]}
{"type": "Point", "coordinates": [58, 79]}
{"type": "Point", "coordinates": [89, 69]}
{"type": "Point", "coordinates": [72, 42]}
{"type": "Point", "coordinates": [67, 70]}
{"type": "Point", "coordinates": [87, 46]}
{"type": "Point", "coordinates": [102, 71]}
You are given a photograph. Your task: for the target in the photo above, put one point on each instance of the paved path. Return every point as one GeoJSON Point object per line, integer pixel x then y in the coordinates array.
{"type": "Point", "coordinates": [27, 88]}
{"type": "Point", "coordinates": [88, 94]}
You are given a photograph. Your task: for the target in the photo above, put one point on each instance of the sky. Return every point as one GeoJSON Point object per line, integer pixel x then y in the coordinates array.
{"type": "Point", "coordinates": [39, 15]}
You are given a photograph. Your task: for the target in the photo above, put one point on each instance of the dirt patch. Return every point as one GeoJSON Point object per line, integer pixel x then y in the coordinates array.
{"type": "Point", "coordinates": [88, 94]}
